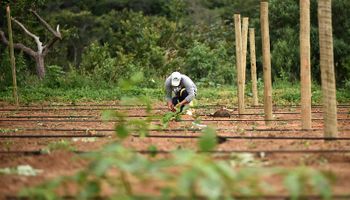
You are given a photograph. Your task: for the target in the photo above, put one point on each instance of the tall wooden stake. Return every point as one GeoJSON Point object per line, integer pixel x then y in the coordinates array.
{"type": "Point", "coordinates": [245, 25]}
{"type": "Point", "coordinates": [12, 55]}
{"type": "Point", "coordinates": [264, 20]}
{"type": "Point", "coordinates": [240, 84]}
{"type": "Point", "coordinates": [327, 68]}
{"type": "Point", "coordinates": [305, 64]}
{"type": "Point", "coordinates": [253, 66]}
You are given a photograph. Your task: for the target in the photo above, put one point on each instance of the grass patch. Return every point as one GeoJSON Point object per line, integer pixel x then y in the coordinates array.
{"type": "Point", "coordinates": [283, 94]}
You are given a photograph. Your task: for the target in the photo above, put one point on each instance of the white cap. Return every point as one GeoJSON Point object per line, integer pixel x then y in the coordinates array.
{"type": "Point", "coordinates": [175, 79]}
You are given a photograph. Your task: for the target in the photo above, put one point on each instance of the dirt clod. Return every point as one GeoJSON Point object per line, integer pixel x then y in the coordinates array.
{"type": "Point", "coordinates": [222, 113]}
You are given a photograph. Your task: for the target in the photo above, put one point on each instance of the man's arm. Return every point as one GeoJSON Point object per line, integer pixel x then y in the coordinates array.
{"type": "Point", "coordinates": [168, 89]}
{"type": "Point", "coordinates": [190, 88]}
{"type": "Point", "coordinates": [168, 94]}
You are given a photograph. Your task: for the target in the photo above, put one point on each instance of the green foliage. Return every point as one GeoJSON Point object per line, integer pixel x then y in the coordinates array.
{"type": "Point", "coordinates": [53, 76]}
{"type": "Point", "coordinates": [74, 79]}
{"type": "Point", "coordinates": [301, 180]}
{"type": "Point", "coordinates": [170, 116]}
{"type": "Point", "coordinates": [206, 65]}
{"type": "Point", "coordinates": [284, 49]}
{"type": "Point", "coordinates": [208, 141]}
{"type": "Point", "coordinates": [6, 71]}
{"type": "Point", "coordinates": [20, 6]}
{"type": "Point", "coordinates": [98, 63]}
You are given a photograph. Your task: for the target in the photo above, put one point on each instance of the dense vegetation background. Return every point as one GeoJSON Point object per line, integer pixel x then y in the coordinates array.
{"type": "Point", "coordinates": [106, 40]}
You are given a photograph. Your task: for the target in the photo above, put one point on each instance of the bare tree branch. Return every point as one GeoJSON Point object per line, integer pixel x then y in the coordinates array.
{"type": "Point", "coordinates": [36, 38]}
{"type": "Point", "coordinates": [42, 51]}
{"type": "Point", "coordinates": [48, 27]}
{"type": "Point", "coordinates": [18, 46]}
{"type": "Point", "coordinates": [49, 45]}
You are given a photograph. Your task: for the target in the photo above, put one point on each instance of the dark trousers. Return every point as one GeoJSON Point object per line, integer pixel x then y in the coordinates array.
{"type": "Point", "coordinates": [180, 96]}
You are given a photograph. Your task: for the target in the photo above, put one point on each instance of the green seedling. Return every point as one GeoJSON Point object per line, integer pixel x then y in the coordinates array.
{"type": "Point", "coordinates": [8, 144]}
{"type": "Point", "coordinates": [306, 144]}
{"type": "Point", "coordinates": [240, 130]}
{"type": "Point", "coordinates": [153, 149]}
{"type": "Point", "coordinates": [22, 170]}
{"type": "Point", "coordinates": [244, 160]}
{"type": "Point", "coordinates": [282, 123]}
{"type": "Point", "coordinates": [251, 145]}
{"type": "Point", "coordinates": [6, 130]}
{"type": "Point", "coordinates": [58, 145]}
{"type": "Point", "coordinates": [170, 116]}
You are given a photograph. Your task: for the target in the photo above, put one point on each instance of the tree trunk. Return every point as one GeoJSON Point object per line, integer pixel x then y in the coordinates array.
{"type": "Point", "coordinates": [40, 66]}
{"type": "Point", "coordinates": [42, 51]}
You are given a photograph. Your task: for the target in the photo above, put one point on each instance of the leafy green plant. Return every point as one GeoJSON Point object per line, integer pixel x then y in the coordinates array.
{"type": "Point", "coordinates": [301, 180]}
{"type": "Point", "coordinates": [208, 140]}
{"type": "Point", "coordinates": [170, 116]}
{"type": "Point", "coordinates": [53, 76]}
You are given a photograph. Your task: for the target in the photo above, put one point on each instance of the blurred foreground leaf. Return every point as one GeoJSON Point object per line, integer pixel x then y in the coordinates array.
{"type": "Point", "coordinates": [207, 141]}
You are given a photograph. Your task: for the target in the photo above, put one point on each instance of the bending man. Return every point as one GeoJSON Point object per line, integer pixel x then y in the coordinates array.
{"type": "Point", "coordinates": [184, 89]}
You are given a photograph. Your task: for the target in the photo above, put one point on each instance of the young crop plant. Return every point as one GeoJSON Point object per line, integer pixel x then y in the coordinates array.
{"type": "Point", "coordinates": [6, 130]}
{"type": "Point", "coordinates": [8, 144]}
{"type": "Point", "coordinates": [62, 145]}
{"type": "Point", "coordinates": [171, 116]}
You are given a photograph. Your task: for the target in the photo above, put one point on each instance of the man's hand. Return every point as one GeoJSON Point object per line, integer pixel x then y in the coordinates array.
{"type": "Point", "coordinates": [171, 106]}
{"type": "Point", "coordinates": [178, 106]}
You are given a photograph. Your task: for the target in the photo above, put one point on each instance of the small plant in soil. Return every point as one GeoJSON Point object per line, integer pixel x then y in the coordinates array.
{"type": "Point", "coordinates": [8, 144]}
{"type": "Point", "coordinates": [61, 145]}
{"type": "Point", "coordinates": [173, 116]}
{"type": "Point", "coordinates": [252, 145]}
{"type": "Point", "coordinates": [6, 130]}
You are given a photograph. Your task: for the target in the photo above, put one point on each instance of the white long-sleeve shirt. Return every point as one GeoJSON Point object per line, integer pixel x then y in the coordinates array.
{"type": "Point", "coordinates": [186, 83]}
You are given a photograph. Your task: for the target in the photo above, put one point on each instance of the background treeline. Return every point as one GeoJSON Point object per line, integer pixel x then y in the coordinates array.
{"type": "Point", "coordinates": [106, 40]}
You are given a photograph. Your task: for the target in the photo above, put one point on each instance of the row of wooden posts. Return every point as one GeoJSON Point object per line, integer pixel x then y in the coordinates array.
{"type": "Point", "coordinates": [326, 64]}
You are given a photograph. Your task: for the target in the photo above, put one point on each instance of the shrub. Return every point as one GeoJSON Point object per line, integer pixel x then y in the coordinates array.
{"type": "Point", "coordinates": [53, 75]}
{"type": "Point", "coordinates": [22, 71]}
{"type": "Point", "coordinates": [211, 66]}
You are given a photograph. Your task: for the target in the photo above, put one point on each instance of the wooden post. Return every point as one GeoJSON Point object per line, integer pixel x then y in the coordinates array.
{"type": "Point", "coordinates": [305, 64]}
{"type": "Point", "coordinates": [240, 84]}
{"type": "Point", "coordinates": [327, 68]}
{"type": "Point", "coordinates": [253, 66]}
{"type": "Point", "coordinates": [12, 55]}
{"type": "Point", "coordinates": [264, 20]}
{"type": "Point", "coordinates": [244, 48]}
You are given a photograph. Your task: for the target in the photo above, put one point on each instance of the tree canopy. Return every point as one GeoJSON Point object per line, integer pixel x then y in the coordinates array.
{"type": "Point", "coordinates": [109, 39]}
